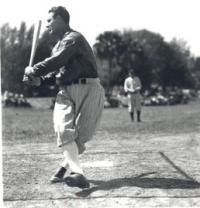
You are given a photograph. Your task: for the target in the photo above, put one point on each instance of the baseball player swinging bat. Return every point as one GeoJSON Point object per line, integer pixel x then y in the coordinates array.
{"type": "Point", "coordinates": [36, 34]}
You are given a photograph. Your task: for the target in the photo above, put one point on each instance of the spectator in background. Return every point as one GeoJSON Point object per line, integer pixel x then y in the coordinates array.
{"type": "Point", "coordinates": [132, 87]}
{"type": "Point", "coordinates": [5, 98]}
{"type": "Point", "coordinates": [16, 99]}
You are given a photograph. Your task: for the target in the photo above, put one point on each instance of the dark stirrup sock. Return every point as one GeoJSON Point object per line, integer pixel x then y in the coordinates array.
{"type": "Point", "coordinates": [61, 172]}
{"type": "Point", "coordinates": [138, 116]}
{"type": "Point", "coordinates": [132, 116]}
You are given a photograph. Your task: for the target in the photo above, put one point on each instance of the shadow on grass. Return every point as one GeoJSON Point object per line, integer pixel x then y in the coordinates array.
{"type": "Point", "coordinates": [139, 181]}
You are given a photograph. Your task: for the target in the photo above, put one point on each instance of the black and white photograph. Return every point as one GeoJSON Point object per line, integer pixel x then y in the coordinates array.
{"type": "Point", "coordinates": [100, 103]}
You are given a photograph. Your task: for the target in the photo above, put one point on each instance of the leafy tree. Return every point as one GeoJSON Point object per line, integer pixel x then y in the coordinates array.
{"type": "Point", "coordinates": [15, 45]}
{"type": "Point", "coordinates": [107, 48]}
{"type": "Point", "coordinates": [151, 56]}
{"type": "Point", "coordinates": [154, 60]}
{"type": "Point", "coordinates": [196, 72]}
{"type": "Point", "coordinates": [131, 56]}
{"type": "Point", "coordinates": [178, 70]}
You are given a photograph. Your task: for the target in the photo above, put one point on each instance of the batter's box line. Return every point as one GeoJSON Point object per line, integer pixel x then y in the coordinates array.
{"type": "Point", "coordinates": [177, 168]}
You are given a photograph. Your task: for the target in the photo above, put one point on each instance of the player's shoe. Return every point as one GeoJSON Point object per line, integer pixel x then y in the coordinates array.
{"type": "Point", "coordinates": [55, 179]}
{"type": "Point", "coordinates": [77, 180]}
{"type": "Point", "coordinates": [58, 176]}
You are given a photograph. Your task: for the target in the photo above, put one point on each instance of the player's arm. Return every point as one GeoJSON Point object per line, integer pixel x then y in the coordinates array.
{"type": "Point", "coordinates": [139, 85]}
{"type": "Point", "coordinates": [130, 90]}
{"type": "Point", "coordinates": [49, 79]}
{"type": "Point", "coordinates": [56, 61]}
{"type": "Point", "coordinates": [127, 89]}
{"type": "Point", "coordinates": [125, 86]}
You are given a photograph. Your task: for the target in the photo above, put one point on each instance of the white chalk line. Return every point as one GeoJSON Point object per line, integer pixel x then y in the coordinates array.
{"type": "Point", "coordinates": [100, 163]}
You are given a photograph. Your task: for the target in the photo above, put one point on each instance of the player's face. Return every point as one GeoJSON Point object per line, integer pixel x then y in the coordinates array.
{"type": "Point", "coordinates": [53, 24]}
{"type": "Point", "coordinates": [132, 74]}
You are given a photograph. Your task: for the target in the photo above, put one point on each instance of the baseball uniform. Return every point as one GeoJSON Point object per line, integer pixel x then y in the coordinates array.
{"type": "Point", "coordinates": [80, 100]}
{"type": "Point", "coordinates": [132, 86]}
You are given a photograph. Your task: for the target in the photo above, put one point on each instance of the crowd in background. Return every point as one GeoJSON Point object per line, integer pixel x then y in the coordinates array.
{"type": "Point", "coordinates": [155, 96]}
{"type": "Point", "coordinates": [10, 99]}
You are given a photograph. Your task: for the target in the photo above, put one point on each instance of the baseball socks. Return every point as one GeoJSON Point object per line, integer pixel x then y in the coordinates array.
{"type": "Point", "coordinates": [138, 116]}
{"type": "Point", "coordinates": [132, 116]}
{"type": "Point", "coordinates": [76, 178]}
{"type": "Point", "coordinates": [70, 151]}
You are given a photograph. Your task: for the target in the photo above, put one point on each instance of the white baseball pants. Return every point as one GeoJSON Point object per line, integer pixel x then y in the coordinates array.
{"type": "Point", "coordinates": [77, 112]}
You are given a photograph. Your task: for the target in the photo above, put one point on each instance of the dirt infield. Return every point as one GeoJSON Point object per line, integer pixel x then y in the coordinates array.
{"type": "Point", "coordinates": [150, 164]}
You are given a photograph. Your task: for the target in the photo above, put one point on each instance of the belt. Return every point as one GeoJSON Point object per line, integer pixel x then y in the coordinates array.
{"type": "Point", "coordinates": [83, 81]}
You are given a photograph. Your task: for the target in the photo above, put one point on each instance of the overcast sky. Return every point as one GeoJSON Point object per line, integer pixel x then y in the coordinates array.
{"type": "Point", "coordinates": [170, 18]}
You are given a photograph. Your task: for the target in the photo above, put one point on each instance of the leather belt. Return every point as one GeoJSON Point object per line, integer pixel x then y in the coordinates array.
{"type": "Point", "coordinates": [78, 81]}
{"type": "Point", "coordinates": [82, 81]}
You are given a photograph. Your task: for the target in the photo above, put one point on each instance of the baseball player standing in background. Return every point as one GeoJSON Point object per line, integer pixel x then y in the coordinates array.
{"type": "Point", "coordinates": [80, 100]}
{"type": "Point", "coordinates": [132, 86]}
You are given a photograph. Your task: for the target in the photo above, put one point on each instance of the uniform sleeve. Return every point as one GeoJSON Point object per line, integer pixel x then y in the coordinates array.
{"type": "Point", "coordinates": [49, 79]}
{"type": "Point", "coordinates": [57, 60]}
{"type": "Point", "coordinates": [125, 86]}
{"type": "Point", "coordinates": [139, 84]}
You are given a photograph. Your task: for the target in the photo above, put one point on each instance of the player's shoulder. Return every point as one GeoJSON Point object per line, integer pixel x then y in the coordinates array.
{"type": "Point", "coordinates": [128, 79]}
{"type": "Point", "coordinates": [73, 35]}
{"type": "Point", "coordinates": [70, 38]}
{"type": "Point", "coordinates": [136, 78]}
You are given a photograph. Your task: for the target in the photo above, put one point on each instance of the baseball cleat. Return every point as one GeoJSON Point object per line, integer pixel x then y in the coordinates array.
{"type": "Point", "coordinates": [77, 180]}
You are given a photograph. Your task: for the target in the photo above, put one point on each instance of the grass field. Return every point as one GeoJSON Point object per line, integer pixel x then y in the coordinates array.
{"type": "Point", "coordinates": [155, 163]}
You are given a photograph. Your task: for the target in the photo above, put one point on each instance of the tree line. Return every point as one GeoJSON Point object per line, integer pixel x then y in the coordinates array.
{"type": "Point", "coordinates": [167, 64]}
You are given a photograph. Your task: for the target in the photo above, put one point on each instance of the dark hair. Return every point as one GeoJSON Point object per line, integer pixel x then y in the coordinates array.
{"type": "Point", "coordinates": [131, 71]}
{"type": "Point", "coordinates": [62, 12]}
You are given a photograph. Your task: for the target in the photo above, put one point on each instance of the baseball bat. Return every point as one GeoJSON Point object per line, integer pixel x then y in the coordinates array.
{"type": "Point", "coordinates": [36, 34]}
